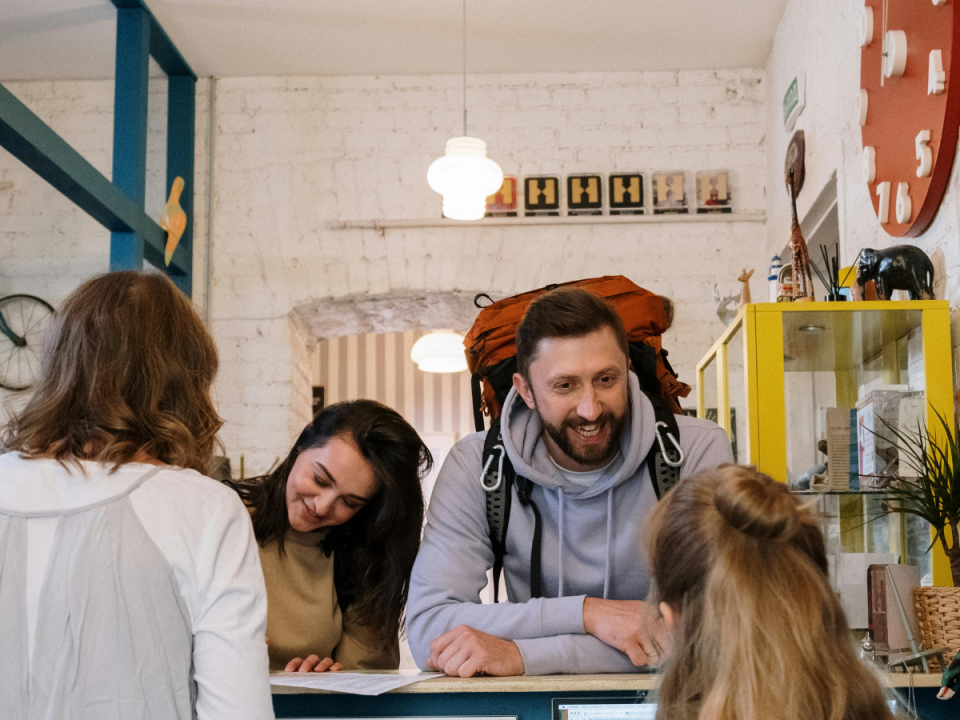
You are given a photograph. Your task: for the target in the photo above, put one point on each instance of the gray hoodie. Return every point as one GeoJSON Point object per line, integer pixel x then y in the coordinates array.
{"type": "Point", "coordinates": [592, 542]}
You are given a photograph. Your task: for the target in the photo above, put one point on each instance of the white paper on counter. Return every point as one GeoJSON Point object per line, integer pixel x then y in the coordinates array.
{"type": "Point", "coordinates": [852, 583]}
{"type": "Point", "coordinates": [356, 683]}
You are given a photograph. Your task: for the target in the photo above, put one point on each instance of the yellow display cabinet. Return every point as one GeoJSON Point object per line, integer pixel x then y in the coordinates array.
{"type": "Point", "coordinates": [769, 378]}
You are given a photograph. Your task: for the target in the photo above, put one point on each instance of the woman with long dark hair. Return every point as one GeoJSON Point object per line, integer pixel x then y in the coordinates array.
{"type": "Point", "coordinates": [338, 524]}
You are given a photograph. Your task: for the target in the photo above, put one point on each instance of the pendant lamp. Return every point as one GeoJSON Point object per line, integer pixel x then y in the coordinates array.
{"type": "Point", "coordinates": [465, 176]}
{"type": "Point", "coordinates": [439, 351]}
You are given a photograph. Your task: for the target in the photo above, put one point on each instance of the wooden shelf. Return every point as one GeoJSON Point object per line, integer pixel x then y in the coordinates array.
{"type": "Point", "coordinates": [381, 225]}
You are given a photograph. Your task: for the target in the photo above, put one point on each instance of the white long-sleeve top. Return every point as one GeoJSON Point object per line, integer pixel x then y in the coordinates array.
{"type": "Point", "coordinates": [204, 534]}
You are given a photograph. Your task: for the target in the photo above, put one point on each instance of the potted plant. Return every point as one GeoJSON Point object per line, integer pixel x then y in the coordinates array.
{"type": "Point", "coordinates": [934, 495]}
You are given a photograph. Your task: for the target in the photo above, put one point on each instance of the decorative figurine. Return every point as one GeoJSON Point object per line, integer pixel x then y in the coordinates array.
{"type": "Point", "coordinates": [802, 277]}
{"type": "Point", "coordinates": [745, 288]}
{"type": "Point", "coordinates": [794, 173]}
{"type": "Point", "coordinates": [773, 277]}
{"type": "Point", "coordinates": [950, 681]}
{"type": "Point", "coordinates": [901, 267]}
{"type": "Point", "coordinates": [173, 220]}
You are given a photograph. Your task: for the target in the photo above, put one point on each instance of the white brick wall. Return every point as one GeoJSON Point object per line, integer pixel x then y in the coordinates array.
{"type": "Point", "coordinates": [820, 38]}
{"type": "Point", "coordinates": [293, 154]}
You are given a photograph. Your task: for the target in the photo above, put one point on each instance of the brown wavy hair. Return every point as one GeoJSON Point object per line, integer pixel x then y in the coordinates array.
{"type": "Point", "coordinates": [126, 371]}
{"type": "Point", "coordinates": [759, 631]}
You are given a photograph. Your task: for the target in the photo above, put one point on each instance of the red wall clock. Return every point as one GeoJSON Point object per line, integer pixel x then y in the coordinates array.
{"type": "Point", "coordinates": [909, 107]}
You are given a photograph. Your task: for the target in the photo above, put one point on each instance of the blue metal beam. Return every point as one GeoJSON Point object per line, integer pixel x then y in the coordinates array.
{"type": "Point", "coordinates": [36, 145]}
{"type": "Point", "coordinates": [161, 46]}
{"type": "Point", "coordinates": [130, 127]}
{"type": "Point", "coordinates": [181, 102]}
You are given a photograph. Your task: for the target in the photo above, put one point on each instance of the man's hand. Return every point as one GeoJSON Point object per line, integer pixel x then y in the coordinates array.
{"type": "Point", "coordinates": [631, 626]}
{"type": "Point", "coordinates": [313, 664]}
{"type": "Point", "coordinates": [465, 652]}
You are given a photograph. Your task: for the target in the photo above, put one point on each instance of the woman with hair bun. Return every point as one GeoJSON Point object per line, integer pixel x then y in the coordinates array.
{"type": "Point", "coordinates": [740, 569]}
{"type": "Point", "coordinates": [338, 523]}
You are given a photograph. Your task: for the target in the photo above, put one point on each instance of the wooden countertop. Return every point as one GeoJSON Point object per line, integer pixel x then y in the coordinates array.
{"type": "Point", "coordinates": [568, 683]}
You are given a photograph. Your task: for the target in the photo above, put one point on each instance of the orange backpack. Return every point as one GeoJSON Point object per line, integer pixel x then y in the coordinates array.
{"type": "Point", "coordinates": [491, 343]}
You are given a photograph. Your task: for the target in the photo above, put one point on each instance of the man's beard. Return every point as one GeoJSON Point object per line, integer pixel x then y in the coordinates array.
{"type": "Point", "coordinates": [589, 455]}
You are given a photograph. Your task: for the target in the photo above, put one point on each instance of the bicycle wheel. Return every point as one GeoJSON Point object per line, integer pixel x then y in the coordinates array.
{"type": "Point", "coordinates": [23, 319]}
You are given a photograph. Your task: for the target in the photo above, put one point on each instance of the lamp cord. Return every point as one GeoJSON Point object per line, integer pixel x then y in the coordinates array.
{"type": "Point", "coordinates": [464, 68]}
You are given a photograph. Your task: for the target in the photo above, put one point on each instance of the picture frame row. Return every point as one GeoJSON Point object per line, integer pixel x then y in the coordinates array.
{"type": "Point", "coordinates": [617, 194]}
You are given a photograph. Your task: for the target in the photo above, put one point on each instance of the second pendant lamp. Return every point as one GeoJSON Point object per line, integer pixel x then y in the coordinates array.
{"type": "Point", "coordinates": [465, 176]}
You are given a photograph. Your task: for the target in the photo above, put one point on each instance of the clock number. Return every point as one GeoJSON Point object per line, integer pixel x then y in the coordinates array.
{"type": "Point", "coordinates": [924, 154]}
{"type": "Point", "coordinates": [937, 78]}
{"type": "Point", "coordinates": [895, 53]}
{"type": "Point", "coordinates": [904, 206]}
{"type": "Point", "coordinates": [862, 107]}
{"type": "Point", "coordinates": [869, 164]}
{"type": "Point", "coordinates": [866, 27]}
{"type": "Point", "coordinates": [883, 209]}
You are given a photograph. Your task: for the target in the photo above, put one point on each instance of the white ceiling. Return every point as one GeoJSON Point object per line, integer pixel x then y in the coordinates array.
{"type": "Point", "coordinates": [52, 39]}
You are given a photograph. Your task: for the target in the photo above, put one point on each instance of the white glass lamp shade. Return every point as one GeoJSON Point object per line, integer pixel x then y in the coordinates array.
{"type": "Point", "coordinates": [465, 176]}
{"type": "Point", "coordinates": [440, 351]}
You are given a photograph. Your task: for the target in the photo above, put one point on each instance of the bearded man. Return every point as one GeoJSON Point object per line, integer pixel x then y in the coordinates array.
{"type": "Point", "coordinates": [577, 425]}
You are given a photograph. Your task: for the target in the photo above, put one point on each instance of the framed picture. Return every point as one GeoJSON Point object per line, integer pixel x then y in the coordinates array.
{"type": "Point", "coordinates": [541, 195]}
{"type": "Point", "coordinates": [584, 195]}
{"type": "Point", "coordinates": [669, 195]}
{"type": "Point", "coordinates": [626, 194]}
{"type": "Point", "coordinates": [503, 203]}
{"type": "Point", "coordinates": [713, 192]}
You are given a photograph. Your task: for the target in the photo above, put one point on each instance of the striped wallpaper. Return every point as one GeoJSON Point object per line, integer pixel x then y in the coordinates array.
{"type": "Point", "coordinates": [378, 367]}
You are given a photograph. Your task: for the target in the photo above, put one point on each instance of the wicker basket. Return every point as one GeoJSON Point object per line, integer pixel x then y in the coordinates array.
{"type": "Point", "coordinates": [938, 614]}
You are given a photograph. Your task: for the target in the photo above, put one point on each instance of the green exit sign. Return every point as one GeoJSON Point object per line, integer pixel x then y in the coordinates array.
{"type": "Point", "coordinates": [794, 101]}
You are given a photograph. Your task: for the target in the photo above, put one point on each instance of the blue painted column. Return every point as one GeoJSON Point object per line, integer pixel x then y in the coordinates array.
{"type": "Point", "coordinates": [181, 102]}
{"type": "Point", "coordinates": [130, 128]}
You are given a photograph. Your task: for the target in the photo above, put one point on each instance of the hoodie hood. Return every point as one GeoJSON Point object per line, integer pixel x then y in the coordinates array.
{"type": "Point", "coordinates": [523, 441]}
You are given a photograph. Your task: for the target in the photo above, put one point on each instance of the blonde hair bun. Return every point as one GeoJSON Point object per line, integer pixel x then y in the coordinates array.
{"type": "Point", "coordinates": [758, 505]}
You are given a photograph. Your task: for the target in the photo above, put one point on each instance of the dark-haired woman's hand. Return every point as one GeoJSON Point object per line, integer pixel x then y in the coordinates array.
{"type": "Point", "coordinates": [313, 664]}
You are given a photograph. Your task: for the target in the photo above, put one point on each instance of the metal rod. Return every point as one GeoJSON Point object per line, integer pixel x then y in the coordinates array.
{"type": "Point", "coordinates": [211, 138]}
{"type": "Point", "coordinates": [465, 68]}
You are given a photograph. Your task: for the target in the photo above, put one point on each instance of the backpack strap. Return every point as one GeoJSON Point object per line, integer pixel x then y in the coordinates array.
{"type": "Point", "coordinates": [665, 458]}
{"type": "Point", "coordinates": [497, 480]}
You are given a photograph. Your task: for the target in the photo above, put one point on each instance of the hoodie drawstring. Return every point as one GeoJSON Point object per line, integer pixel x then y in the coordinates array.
{"type": "Point", "coordinates": [560, 494]}
{"type": "Point", "coordinates": [606, 560]}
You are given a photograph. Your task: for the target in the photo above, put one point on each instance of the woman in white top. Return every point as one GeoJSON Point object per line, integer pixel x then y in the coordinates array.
{"type": "Point", "coordinates": [130, 584]}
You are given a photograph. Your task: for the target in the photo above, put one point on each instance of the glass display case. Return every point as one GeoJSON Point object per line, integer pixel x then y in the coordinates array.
{"type": "Point", "coordinates": [793, 382]}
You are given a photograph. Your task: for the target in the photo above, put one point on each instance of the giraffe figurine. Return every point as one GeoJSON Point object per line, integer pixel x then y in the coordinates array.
{"type": "Point", "coordinates": [745, 288]}
{"type": "Point", "coordinates": [802, 277]}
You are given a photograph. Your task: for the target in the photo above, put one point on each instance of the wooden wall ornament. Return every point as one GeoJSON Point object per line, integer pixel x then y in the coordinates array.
{"type": "Point", "coordinates": [909, 108]}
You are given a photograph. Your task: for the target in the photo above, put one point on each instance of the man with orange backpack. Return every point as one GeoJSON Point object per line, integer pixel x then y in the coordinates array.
{"type": "Point", "coordinates": [575, 463]}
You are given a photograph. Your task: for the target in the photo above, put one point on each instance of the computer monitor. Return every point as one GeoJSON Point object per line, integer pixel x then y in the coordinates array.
{"type": "Point", "coordinates": [633, 707]}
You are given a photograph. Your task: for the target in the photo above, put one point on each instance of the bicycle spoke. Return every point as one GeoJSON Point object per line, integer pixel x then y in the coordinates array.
{"type": "Point", "coordinates": [23, 323]}
{"type": "Point", "coordinates": [33, 309]}
{"type": "Point", "coordinates": [33, 373]}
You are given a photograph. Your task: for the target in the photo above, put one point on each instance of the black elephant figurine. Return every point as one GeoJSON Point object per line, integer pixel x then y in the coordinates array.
{"type": "Point", "coordinates": [901, 267]}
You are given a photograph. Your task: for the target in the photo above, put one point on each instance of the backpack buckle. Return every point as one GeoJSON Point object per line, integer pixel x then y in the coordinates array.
{"type": "Point", "coordinates": [663, 449]}
{"type": "Point", "coordinates": [486, 469]}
